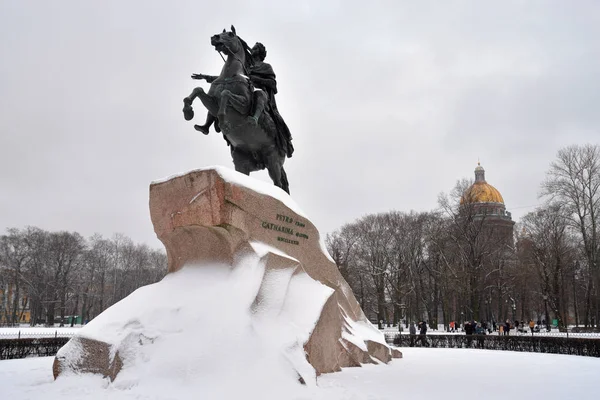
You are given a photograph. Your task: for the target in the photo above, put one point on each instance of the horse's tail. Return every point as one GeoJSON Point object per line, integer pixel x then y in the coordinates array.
{"type": "Point", "coordinates": [284, 182]}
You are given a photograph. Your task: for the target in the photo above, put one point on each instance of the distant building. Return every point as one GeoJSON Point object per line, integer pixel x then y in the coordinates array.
{"type": "Point", "coordinates": [7, 303]}
{"type": "Point", "coordinates": [485, 201]}
{"type": "Point", "coordinates": [486, 240]}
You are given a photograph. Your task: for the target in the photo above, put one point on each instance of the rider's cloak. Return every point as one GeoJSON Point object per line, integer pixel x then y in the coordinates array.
{"type": "Point", "coordinates": [262, 76]}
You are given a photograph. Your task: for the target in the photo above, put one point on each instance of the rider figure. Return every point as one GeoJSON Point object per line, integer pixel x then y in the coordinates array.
{"type": "Point", "coordinates": [262, 78]}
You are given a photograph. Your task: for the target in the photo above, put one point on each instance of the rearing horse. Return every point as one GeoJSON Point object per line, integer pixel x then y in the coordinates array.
{"type": "Point", "coordinates": [253, 146]}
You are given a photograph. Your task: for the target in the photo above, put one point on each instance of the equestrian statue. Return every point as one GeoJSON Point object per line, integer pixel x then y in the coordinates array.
{"type": "Point", "coordinates": [241, 105]}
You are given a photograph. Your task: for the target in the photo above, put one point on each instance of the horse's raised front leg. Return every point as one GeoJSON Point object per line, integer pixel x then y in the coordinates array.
{"type": "Point", "coordinates": [188, 111]}
{"type": "Point", "coordinates": [210, 102]}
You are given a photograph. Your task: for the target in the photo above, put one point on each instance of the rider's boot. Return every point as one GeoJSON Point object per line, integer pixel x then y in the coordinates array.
{"type": "Point", "coordinates": [188, 111]}
{"type": "Point", "coordinates": [260, 101]}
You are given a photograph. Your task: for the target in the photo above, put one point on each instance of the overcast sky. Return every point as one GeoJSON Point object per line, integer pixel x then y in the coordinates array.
{"type": "Point", "coordinates": [389, 102]}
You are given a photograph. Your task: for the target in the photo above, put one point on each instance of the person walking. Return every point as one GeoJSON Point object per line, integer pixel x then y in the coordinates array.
{"type": "Point", "coordinates": [480, 332]}
{"type": "Point", "coordinates": [423, 332]}
{"type": "Point", "coordinates": [531, 326]}
{"type": "Point", "coordinates": [469, 329]}
{"type": "Point", "coordinates": [507, 328]}
{"type": "Point", "coordinates": [413, 333]}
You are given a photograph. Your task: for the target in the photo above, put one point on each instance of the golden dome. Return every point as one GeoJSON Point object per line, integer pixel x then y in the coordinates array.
{"type": "Point", "coordinates": [481, 191]}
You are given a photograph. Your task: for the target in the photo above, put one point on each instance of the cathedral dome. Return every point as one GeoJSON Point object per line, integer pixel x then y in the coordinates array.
{"type": "Point", "coordinates": [481, 191]}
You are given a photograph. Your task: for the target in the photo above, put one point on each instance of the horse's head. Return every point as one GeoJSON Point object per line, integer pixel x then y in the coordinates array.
{"type": "Point", "coordinates": [227, 42]}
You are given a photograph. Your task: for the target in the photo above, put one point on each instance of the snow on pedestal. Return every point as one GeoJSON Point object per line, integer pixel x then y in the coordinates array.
{"type": "Point", "coordinates": [250, 285]}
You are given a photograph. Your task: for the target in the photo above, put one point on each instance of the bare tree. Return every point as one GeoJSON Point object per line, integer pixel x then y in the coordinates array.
{"type": "Point", "coordinates": [53, 273]}
{"type": "Point", "coordinates": [372, 255]}
{"type": "Point", "coordinates": [399, 285]}
{"type": "Point", "coordinates": [36, 276]}
{"type": "Point", "coordinates": [551, 254]}
{"type": "Point", "coordinates": [573, 182]}
{"type": "Point", "coordinates": [412, 283]}
{"type": "Point", "coordinates": [341, 245]}
{"type": "Point", "coordinates": [65, 250]}
{"type": "Point", "coordinates": [95, 267]}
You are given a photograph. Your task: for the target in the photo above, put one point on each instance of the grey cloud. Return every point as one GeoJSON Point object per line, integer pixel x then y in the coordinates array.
{"type": "Point", "coordinates": [389, 102]}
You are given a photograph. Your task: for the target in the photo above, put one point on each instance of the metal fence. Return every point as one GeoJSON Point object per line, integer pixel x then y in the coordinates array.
{"type": "Point", "coordinates": [572, 332]}
{"type": "Point", "coordinates": [535, 344]}
{"type": "Point", "coordinates": [24, 334]}
{"type": "Point", "coordinates": [49, 346]}
{"type": "Point", "coordinates": [30, 347]}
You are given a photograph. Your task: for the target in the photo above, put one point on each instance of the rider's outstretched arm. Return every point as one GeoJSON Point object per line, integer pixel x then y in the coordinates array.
{"type": "Point", "coordinates": [209, 78]}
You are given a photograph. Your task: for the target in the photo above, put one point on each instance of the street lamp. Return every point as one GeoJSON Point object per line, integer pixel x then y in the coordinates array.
{"type": "Point", "coordinates": [487, 310]}
{"type": "Point", "coordinates": [402, 317]}
{"type": "Point", "coordinates": [545, 297]}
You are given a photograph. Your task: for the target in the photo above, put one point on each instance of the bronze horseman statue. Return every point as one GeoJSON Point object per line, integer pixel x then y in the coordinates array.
{"type": "Point", "coordinates": [241, 105]}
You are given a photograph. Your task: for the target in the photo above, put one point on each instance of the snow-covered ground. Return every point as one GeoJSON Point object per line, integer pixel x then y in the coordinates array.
{"type": "Point", "coordinates": [422, 373]}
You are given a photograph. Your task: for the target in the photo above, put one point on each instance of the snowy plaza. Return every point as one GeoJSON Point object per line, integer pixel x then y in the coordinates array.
{"type": "Point", "coordinates": [422, 373]}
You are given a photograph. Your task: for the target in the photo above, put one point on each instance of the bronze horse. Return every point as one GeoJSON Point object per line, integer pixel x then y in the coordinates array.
{"type": "Point", "coordinates": [253, 145]}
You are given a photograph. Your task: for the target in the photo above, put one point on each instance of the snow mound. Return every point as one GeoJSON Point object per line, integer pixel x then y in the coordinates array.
{"type": "Point", "coordinates": [217, 323]}
{"type": "Point", "coordinates": [261, 307]}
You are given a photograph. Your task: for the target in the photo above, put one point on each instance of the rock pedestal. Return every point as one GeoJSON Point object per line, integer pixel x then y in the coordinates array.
{"type": "Point", "coordinates": [216, 216]}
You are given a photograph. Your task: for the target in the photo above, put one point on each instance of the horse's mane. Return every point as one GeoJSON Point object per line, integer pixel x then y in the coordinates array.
{"type": "Point", "coordinates": [249, 61]}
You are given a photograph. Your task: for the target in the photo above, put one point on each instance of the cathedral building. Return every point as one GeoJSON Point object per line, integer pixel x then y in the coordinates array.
{"type": "Point", "coordinates": [484, 202]}
{"type": "Point", "coordinates": [484, 232]}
